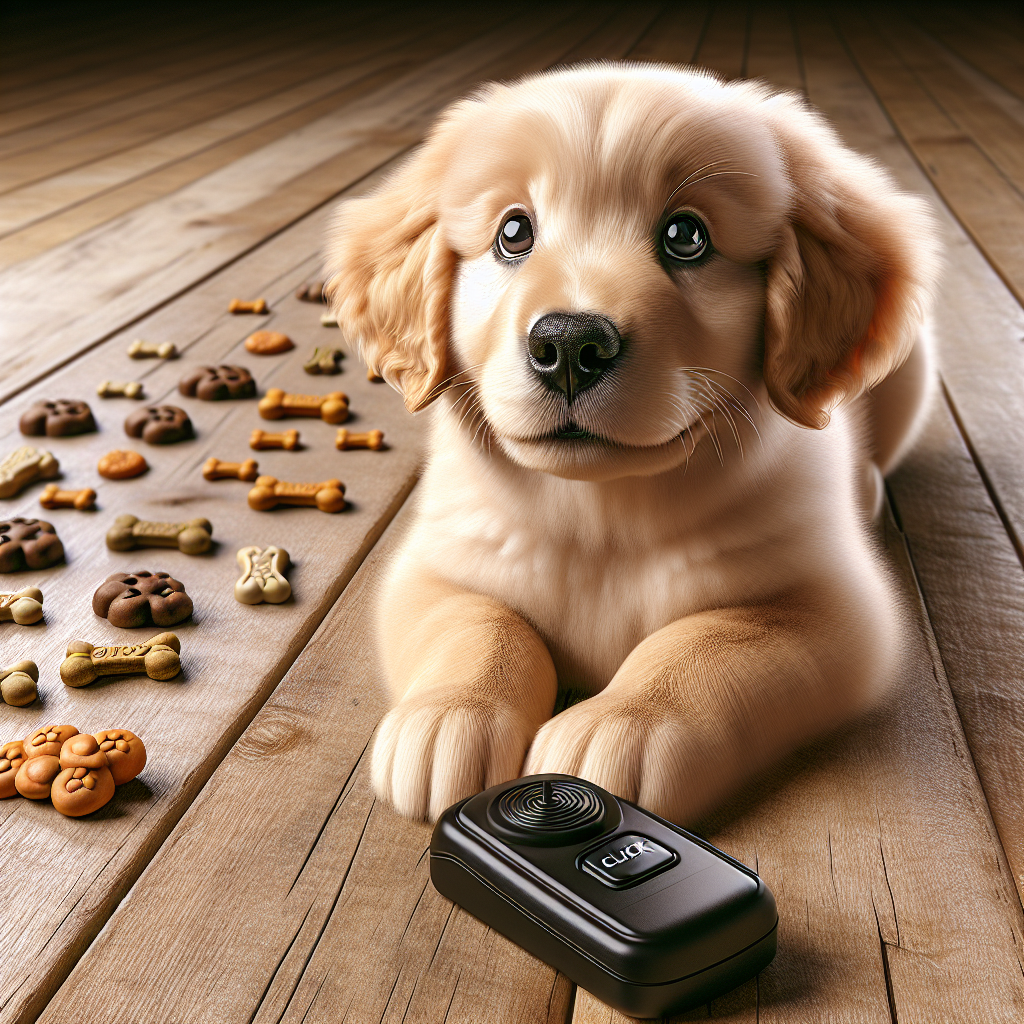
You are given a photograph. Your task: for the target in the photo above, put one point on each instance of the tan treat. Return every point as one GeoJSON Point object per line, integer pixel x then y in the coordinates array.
{"type": "Point", "coordinates": [268, 343]}
{"type": "Point", "coordinates": [82, 751]}
{"type": "Point", "coordinates": [214, 469]}
{"type": "Point", "coordinates": [23, 466]}
{"type": "Point", "coordinates": [373, 377]}
{"type": "Point", "coordinates": [54, 497]}
{"type": "Point", "coordinates": [158, 658]}
{"type": "Point", "coordinates": [324, 360]}
{"type": "Point", "coordinates": [191, 537]}
{"type": "Point", "coordinates": [36, 775]}
{"type": "Point", "coordinates": [277, 404]}
{"type": "Point", "coordinates": [345, 439]}
{"type": "Point", "coordinates": [47, 740]}
{"type": "Point", "coordinates": [24, 607]}
{"type": "Point", "coordinates": [18, 683]}
{"type": "Point", "coordinates": [120, 389]}
{"type": "Point", "coordinates": [313, 291]}
{"type": "Point", "coordinates": [269, 492]}
{"type": "Point", "coordinates": [328, 320]}
{"type": "Point", "coordinates": [85, 782]}
{"type": "Point", "coordinates": [261, 439]}
{"type": "Point", "coordinates": [262, 576]}
{"type": "Point", "coordinates": [140, 349]}
{"type": "Point", "coordinates": [12, 755]}
{"type": "Point", "coordinates": [256, 306]}
{"type": "Point", "coordinates": [121, 465]}
{"type": "Point", "coordinates": [125, 752]}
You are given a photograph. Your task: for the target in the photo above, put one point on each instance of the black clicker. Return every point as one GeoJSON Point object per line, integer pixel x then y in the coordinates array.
{"type": "Point", "coordinates": [649, 918]}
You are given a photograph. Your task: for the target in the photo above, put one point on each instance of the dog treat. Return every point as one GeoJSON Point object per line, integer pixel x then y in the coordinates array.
{"type": "Point", "coordinates": [191, 537]}
{"type": "Point", "coordinates": [269, 492]}
{"type": "Point", "coordinates": [215, 383]}
{"type": "Point", "coordinates": [331, 408]}
{"type": "Point", "coordinates": [159, 424]}
{"type": "Point", "coordinates": [214, 469]}
{"type": "Point", "coordinates": [24, 607]}
{"type": "Point", "coordinates": [60, 418]}
{"type": "Point", "coordinates": [18, 683]}
{"type": "Point", "coordinates": [140, 349]}
{"type": "Point", "coordinates": [268, 343]}
{"type": "Point", "coordinates": [47, 740]}
{"type": "Point", "coordinates": [85, 663]}
{"type": "Point", "coordinates": [12, 756]}
{"type": "Point", "coordinates": [28, 544]}
{"type": "Point", "coordinates": [85, 782]}
{"type": "Point", "coordinates": [142, 598]}
{"type": "Point", "coordinates": [54, 497]}
{"type": "Point", "coordinates": [256, 306]}
{"type": "Point", "coordinates": [121, 465]}
{"type": "Point", "coordinates": [119, 389]}
{"type": "Point", "coordinates": [328, 320]}
{"type": "Point", "coordinates": [125, 752]}
{"type": "Point", "coordinates": [23, 466]}
{"type": "Point", "coordinates": [312, 291]}
{"type": "Point", "coordinates": [373, 377]}
{"type": "Point", "coordinates": [261, 439]}
{"type": "Point", "coordinates": [262, 576]}
{"type": "Point", "coordinates": [35, 776]}
{"type": "Point", "coordinates": [345, 439]}
{"type": "Point", "coordinates": [324, 360]}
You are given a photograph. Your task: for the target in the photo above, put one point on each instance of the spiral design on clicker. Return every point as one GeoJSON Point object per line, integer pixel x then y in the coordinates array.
{"type": "Point", "coordinates": [572, 805]}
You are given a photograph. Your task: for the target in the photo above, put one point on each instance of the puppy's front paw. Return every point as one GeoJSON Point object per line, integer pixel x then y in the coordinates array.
{"type": "Point", "coordinates": [436, 748]}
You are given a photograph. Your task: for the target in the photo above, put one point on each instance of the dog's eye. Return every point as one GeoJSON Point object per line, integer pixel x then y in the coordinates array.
{"type": "Point", "coordinates": [684, 237]}
{"type": "Point", "coordinates": [515, 239]}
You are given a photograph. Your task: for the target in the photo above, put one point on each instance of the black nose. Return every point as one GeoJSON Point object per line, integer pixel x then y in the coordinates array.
{"type": "Point", "coordinates": [569, 351]}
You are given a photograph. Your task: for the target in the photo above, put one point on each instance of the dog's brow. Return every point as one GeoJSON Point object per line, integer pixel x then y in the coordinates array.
{"type": "Point", "coordinates": [690, 180]}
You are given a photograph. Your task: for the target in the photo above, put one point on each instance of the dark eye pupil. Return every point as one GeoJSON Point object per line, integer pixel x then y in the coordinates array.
{"type": "Point", "coordinates": [515, 237]}
{"type": "Point", "coordinates": [685, 237]}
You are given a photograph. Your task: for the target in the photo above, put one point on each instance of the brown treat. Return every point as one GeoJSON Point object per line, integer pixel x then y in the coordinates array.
{"type": "Point", "coordinates": [191, 537]}
{"type": "Point", "coordinates": [312, 291]}
{"type": "Point", "coordinates": [23, 466]}
{"type": "Point", "coordinates": [331, 408]}
{"type": "Point", "coordinates": [82, 751]}
{"type": "Point", "coordinates": [373, 377]}
{"type": "Point", "coordinates": [36, 775]}
{"type": "Point", "coordinates": [159, 424]}
{"type": "Point", "coordinates": [142, 599]}
{"type": "Point", "coordinates": [256, 306]}
{"type": "Point", "coordinates": [47, 740]}
{"type": "Point", "coordinates": [345, 439]}
{"type": "Point", "coordinates": [78, 791]}
{"type": "Point", "coordinates": [60, 418]}
{"type": "Point", "coordinates": [121, 465]}
{"type": "Point", "coordinates": [12, 755]}
{"type": "Point", "coordinates": [54, 497]}
{"type": "Point", "coordinates": [28, 544]}
{"type": "Point", "coordinates": [261, 439]}
{"type": "Point", "coordinates": [119, 389]}
{"type": "Point", "coordinates": [214, 383]}
{"type": "Point", "coordinates": [158, 657]}
{"type": "Point", "coordinates": [18, 683]}
{"type": "Point", "coordinates": [125, 752]}
{"type": "Point", "coordinates": [269, 492]}
{"type": "Point", "coordinates": [140, 349]}
{"type": "Point", "coordinates": [214, 469]}
{"type": "Point", "coordinates": [324, 360]}
{"type": "Point", "coordinates": [23, 607]}
{"type": "Point", "coordinates": [268, 343]}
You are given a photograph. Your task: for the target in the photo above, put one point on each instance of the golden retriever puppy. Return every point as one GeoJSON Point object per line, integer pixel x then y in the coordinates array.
{"type": "Point", "coordinates": [646, 309]}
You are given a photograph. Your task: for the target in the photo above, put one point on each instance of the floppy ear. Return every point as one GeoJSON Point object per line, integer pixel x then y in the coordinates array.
{"type": "Point", "coordinates": [851, 279]}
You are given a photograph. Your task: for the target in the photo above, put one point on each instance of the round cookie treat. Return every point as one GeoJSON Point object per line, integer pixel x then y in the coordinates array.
{"type": "Point", "coordinates": [47, 740]}
{"type": "Point", "coordinates": [60, 418]}
{"type": "Point", "coordinates": [215, 383]}
{"type": "Point", "coordinates": [122, 465]}
{"type": "Point", "coordinates": [142, 598]}
{"type": "Point", "coordinates": [159, 424]}
{"type": "Point", "coordinates": [35, 776]}
{"type": "Point", "coordinates": [85, 782]}
{"type": "Point", "coordinates": [12, 755]}
{"type": "Point", "coordinates": [28, 544]}
{"type": "Point", "coordinates": [18, 683]}
{"type": "Point", "coordinates": [125, 752]}
{"type": "Point", "coordinates": [268, 343]}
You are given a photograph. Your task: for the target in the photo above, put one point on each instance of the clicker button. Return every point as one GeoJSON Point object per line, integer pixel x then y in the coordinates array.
{"type": "Point", "coordinates": [627, 859]}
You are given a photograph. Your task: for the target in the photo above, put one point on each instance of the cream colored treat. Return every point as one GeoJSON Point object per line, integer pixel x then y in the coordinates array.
{"type": "Point", "coordinates": [372, 439]}
{"type": "Point", "coordinates": [328, 320]}
{"type": "Point", "coordinates": [191, 537]}
{"type": "Point", "coordinates": [140, 349]}
{"type": "Point", "coordinates": [331, 408]}
{"type": "Point", "coordinates": [23, 607]}
{"type": "Point", "coordinates": [261, 439]}
{"type": "Point", "coordinates": [262, 576]}
{"type": "Point", "coordinates": [85, 662]}
{"type": "Point", "coordinates": [269, 492]}
{"type": "Point", "coordinates": [18, 683]}
{"type": "Point", "coordinates": [23, 466]}
{"type": "Point", "coordinates": [239, 306]}
{"type": "Point", "coordinates": [214, 469]}
{"type": "Point", "coordinates": [54, 497]}
{"type": "Point", "coordinates": [120, 389]}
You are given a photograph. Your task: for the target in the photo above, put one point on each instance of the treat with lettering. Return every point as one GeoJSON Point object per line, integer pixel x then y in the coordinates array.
{"type": "Point", "coordinates": [158, 658]}
{"type": "Point", "coordinates": [216, 383]}
{"type": "Point", "coordinates": [142, 598]}
{"type": "Point", "coordinates": [122, 464]}
{"type": "Point", "coordinates": [191, 537]}
{"type": "Point", "coordinates": [159, 424]}
{"type": "Point", "coordinates": [24, 466]}
{"type": "Point", "coordinates": [59, 418]}
{"type": "Point", "coordinates": [28, 544]}
{"type": "Point", "coordinates": [18, 683]}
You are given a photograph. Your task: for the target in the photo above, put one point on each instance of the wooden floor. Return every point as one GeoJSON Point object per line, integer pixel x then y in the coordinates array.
{"type": "Point", "coordinates": [151, 169]}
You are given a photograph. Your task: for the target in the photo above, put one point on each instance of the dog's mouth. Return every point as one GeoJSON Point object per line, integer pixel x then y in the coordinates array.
{"type": "Point", "coordinates": [571, 431]}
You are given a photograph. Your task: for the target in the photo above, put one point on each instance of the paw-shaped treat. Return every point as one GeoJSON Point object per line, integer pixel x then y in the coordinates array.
{"type": "Point", "coordinates": [18, 683]}
{"type": "Point", "coordinates": [60, 418]}
{"type": "Point", "coordinates": [142, 599]}
{"type": "Point", "coordinates": [47, 740]}
{"type": "Point", "coordinates": [85, 782]}
{"type": "Point", "coordinates": [24, 607]}
{"type": "Point", "coordinates": [23, 466]}
{"type": "Point", "coordinates": [159, 424]}
{"type": "Point", "coordinates": [125, 752]}
{"type": "Point", "coordinates": [28, 544]}
{"type": "Point", "coordinates": [214, 383]}
{"type": "Point", "coordinates": [35, 776]}
{"type": "Point", "coordinates": [11, 757]}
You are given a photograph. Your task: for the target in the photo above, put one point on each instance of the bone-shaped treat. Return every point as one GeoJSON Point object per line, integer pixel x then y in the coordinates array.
{"type": "Point", "coordinates": [312, 291]}
{"type": "Point", "coordinates": [158, 657]}
{"type": "Point", "coordinates": [140, 349]}
{"type": "Point", "coordinates": [54, 497]}
{"type": "Point", "coordinates": [324, 360]}
{"type": "Point", "coordinates": [373, 376]}
{"type": "Point", "coordinates": [214, 469]}
{"type": "Point", "coordinates": [191, 537]}
{"type": "Point", "coordinates": [332, 408]}
{"type": "Point", "coordinates": [345, 439]}
{"type": "Point", "coordinates": [328, 320]}
{"type": "Point", "coordinates": [269, 492]}
{"type": "Point", "coordinates": [119, 389]}
{"type": "Point", "coordinates": [261, 439]}
{"type": "Point", "coordinates": [256, 306]}
{"type": "Point", "coordinates": [23, 466]}
{"type": "Point", "coordinates": [24, 607]}
{"type": "Point", "coordinates": [262, 576]}
{"type": "Point", "coordinates": [18, 683]}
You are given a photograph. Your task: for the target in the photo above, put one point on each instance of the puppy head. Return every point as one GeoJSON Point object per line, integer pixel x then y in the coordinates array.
{"type": "Point", "coordinates": [597, 265]}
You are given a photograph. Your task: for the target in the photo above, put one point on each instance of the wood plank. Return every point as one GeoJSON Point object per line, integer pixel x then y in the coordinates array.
{"type": "Point", "coordinates": [675, 34]}
{"type": "Point", "coordinates": [772, 52]}
{"type": "Point", "coordinates": [723, 48]}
